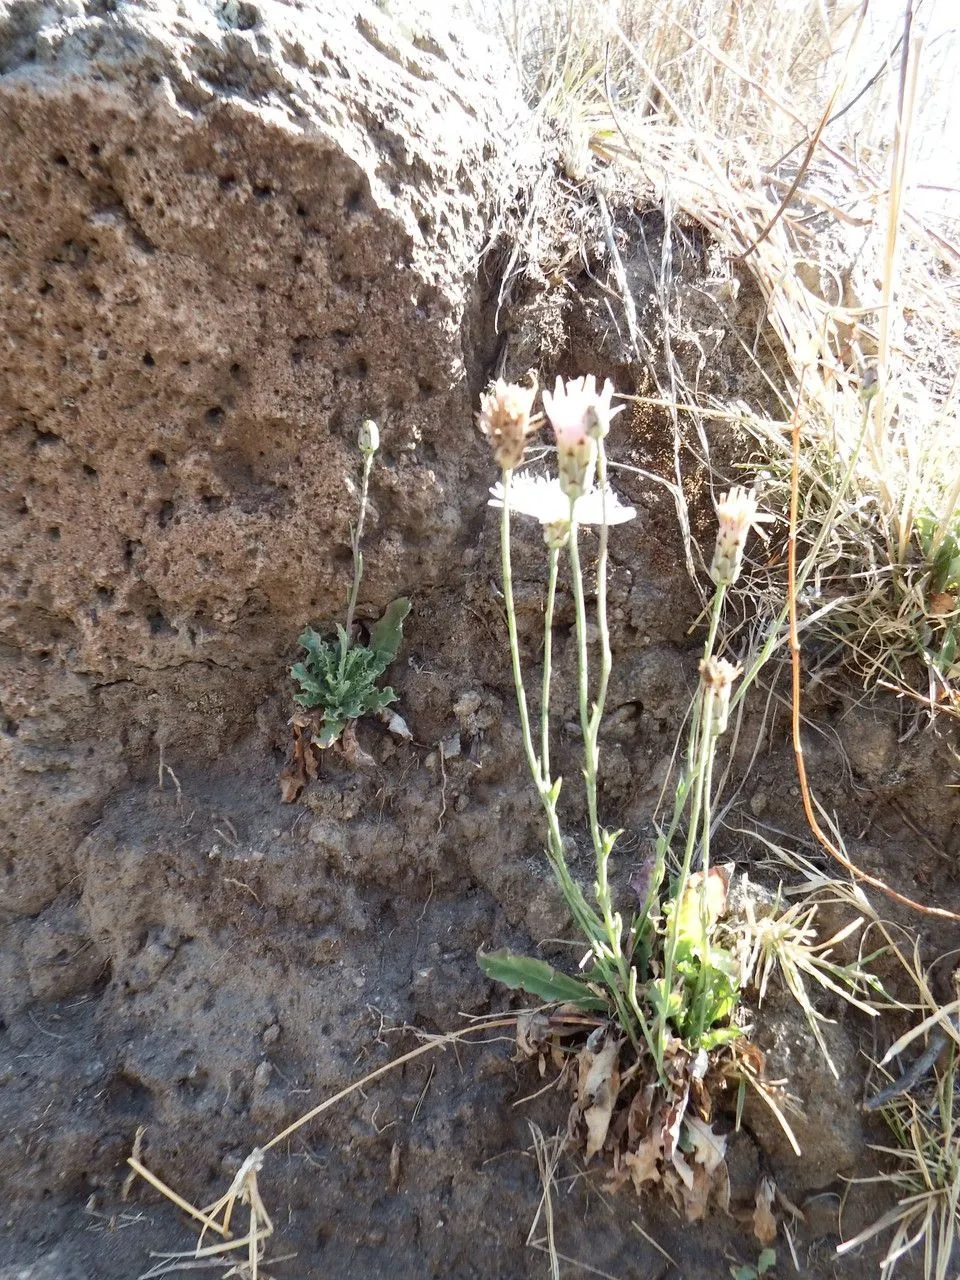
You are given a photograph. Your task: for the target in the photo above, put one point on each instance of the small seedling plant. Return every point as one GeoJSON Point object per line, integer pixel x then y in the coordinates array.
{"type": "Point", "coordinates": [338, 677]}
{"type": "Point", "coordinates": [659, 981]}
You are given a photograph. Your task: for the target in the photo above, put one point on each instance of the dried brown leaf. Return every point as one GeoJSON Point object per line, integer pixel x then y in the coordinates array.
{"type": "Point", "coordinates": [643, 1163]}
{"type": "Point", "coordinates": [638, 1116]}
{"type": "Point", "coordinates": [709, 1148]}
{"type": "Point", "coordinates": [351, 750]}
{"type": "Point", "coordinates": [302, 766]}
{"type": "Point", "coordinates": [696, 1199]}
{"type": "Point", "coordinates": [764, 1223]}
{"type": "Point", "coordinates": [533, 1033]}
{"type": "Point", "coordinates": [599, 1085]}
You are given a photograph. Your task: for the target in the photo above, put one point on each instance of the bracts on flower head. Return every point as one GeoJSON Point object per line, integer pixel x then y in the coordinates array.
{"type": "Point", "coordinates": [505, 420]}
{"type": "Point", "coordinates": [716, 676]}
{"type": "Point", "coordinates": [736, 515]}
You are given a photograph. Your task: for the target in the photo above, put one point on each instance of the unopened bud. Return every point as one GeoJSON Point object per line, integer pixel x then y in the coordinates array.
{"type": "Point", "coordinates": [556, 534]}
{"type": "Point", "coordinates": [576, 464]}
{"type": "Point", "coordinates": [717, 676]}
{"type": "Point", "coordinates": [369, 437]}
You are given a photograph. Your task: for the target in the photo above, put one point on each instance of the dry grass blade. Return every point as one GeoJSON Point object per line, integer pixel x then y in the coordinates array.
{"type": "Point", "coordinates": [926, 1176]}
{"type": "Point", "coordinates": [244, 1189]}
{"type": "Point", "coordinates": [787, 941]}
{"type": "Point", "coordinates": [548, 1153]}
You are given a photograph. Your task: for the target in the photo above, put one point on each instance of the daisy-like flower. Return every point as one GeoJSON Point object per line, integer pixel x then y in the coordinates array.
{"type": "Point", "coordinates": [580, 416]}
{"type": "Point", "coordinates": [736, 516]}
{"type": "Point", "coordinates": [545, 500]}
{"type": "Point", "coordinates": [505, 420]}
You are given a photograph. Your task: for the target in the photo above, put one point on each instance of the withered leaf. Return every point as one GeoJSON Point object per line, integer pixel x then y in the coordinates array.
{"type": "Point", "coordinates": [672, 1115]}
{"type": "Point", "coordinates": [697, 1196]}
{"type": "Point", "coordinates": [643, 1163]}
{"type": "Point", "coordinates": [351, 750]}
{"type": "Point", "coordinates": [599, 1085]}
{"type": "Point", "coordinates": [709, 1148]}
{"type": "Point", "coordinates": [302, 766]}
{"type": "Point", "coordinates": [764, 1223]}
{"type": "Point", "coordinates": [638, 1117]}
{"type": "Point", "coordinates": [533, 1033]}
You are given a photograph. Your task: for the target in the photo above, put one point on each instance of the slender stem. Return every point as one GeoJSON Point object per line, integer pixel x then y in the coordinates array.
{"type": "Point", "coordinates": [693, 747]}
{"type": "Point", "coordinates": [506, 569]}
{"type": "Point", "coordinates": [585, 917]}
{"type": "Point", "coordinates": [547, 661]}
{"type": "Point", "coordinates": [700, 771]}
{"type": "Point", "coordinates": [583, 688]}
{"type": "Point", "coordinates": [698, 999]}
{"type": "Point", "coordinates": [606, 657]}
{"type": "Point", "coordinates": [355, 542]}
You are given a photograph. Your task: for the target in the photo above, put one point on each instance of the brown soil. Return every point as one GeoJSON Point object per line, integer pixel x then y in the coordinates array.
{"type": "Point", "coordinates": [220, 250]}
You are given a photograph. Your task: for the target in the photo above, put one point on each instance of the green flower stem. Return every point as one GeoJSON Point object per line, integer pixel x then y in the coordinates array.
{"type": "Point", "coordinates": [701, 769]}
{"type": "Point", "coordinates": [606, 657]}
{"type": "Point", "coordinates": [590, 726]}
{"type": "Point", "coordinates": [608, 961]}
{"type": "Point", "coordinates": [368, 456]}
{"type": "Point", "coordinates": [548, 661]}
{"type": "Point", "coordinates": [585, 917]}
{"type": "Point", "coordinates": [698, 1003]}
{"type": "Point", "coordinates": [506, 570]}
{"type": "Point", "coordinates": [684, 787]}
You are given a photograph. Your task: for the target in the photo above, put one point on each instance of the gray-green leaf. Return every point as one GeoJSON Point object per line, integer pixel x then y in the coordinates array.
{"type": "Point", "coordinates": [538, 979]}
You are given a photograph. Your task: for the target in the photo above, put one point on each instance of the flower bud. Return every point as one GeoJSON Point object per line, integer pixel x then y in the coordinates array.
{"type": "Point", "coordinates": [717, 676]}
{"type": "Point", "coordinates": [556, 534]}
{"type": "Point", "coordinates": [736, 513]}
{"type": "Point", "coordinates": [369, 437]}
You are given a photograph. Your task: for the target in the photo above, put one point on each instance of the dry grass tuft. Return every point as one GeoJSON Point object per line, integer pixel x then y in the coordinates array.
{"type": "Point", "coordinates": [858, 303]}
{"type": "Point", "coordinates": [925, 1175]}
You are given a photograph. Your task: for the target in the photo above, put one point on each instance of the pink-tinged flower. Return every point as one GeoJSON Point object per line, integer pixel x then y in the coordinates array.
{"type": "Point", "coordinates": [505, 420]}
{"type": "Point", "coordinates": [577, 409]}
{"type": "Point", "coordinates": [736, 516]}
{"type": "Point", "coordinates": [580, 416]}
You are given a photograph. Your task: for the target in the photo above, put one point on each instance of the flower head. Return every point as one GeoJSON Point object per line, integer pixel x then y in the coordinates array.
{"type": "Point", "coordinates": [736, 516]}
{"type": "Point", "coordinates": [577, 409]}
{"type": "Point", "coordinates": [580, 416]}
{"type": "Point", "coordinates": [368, 438]}
{"type": "Point", "coordinates": [505, 420]}
{"type": "Point", "coordinates": [546, 501]}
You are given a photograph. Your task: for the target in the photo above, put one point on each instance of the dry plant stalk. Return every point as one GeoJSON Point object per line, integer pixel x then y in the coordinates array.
{"type": "Point", "coordinates": [217, 1216]}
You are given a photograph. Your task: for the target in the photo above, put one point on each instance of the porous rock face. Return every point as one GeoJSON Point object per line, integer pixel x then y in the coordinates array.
{"type": "Point", "coordinates": [227, 233]}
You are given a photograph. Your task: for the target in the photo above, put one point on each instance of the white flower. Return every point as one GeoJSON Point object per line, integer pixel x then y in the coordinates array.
{"type": "Point", "coordinates": [736, 516]}
{"type": "Point", "coordinates": [542, 498]}
{"type": "Point", "coordinates": [577, 410]}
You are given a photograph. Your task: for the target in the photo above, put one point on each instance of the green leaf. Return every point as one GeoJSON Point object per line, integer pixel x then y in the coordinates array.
{"type": "Point", "coordinates": [330, 731]}
{"type": "Point", "coordinates": [767, 1261]}
{"type": "Point", "coordinates": [538, 979]}
{"type": "Point", "coordinates": [387, 633]}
